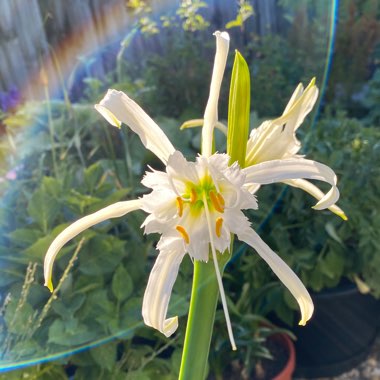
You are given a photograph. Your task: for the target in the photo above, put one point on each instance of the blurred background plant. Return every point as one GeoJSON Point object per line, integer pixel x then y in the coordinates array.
{"type": "Point", "coordinates": [60, 161]}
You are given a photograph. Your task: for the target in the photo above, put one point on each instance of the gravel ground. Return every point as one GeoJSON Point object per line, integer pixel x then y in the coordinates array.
{"type": "Point", "coordinates": [367, 370]}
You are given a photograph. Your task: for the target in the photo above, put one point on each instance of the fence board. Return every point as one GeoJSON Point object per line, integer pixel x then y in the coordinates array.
{"type": "Point", "coordinates": [28, 29]}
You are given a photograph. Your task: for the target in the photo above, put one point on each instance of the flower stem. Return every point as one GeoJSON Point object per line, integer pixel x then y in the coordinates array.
{"type": "Point", "coordinates": [204, 297]}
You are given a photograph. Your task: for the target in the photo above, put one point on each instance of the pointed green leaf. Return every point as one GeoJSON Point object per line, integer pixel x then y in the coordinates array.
{"type": "Point", "coordinates": [122, 285]}
{"type": "Point", "coordinates": [43, 208]}
{"type": "Point", "coordinates": [238, 110]}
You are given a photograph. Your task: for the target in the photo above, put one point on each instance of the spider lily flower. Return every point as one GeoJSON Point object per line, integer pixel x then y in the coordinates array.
{"type": "Point", "coordinates": [195, 206]}
{"type": "Point", "coordinates": [276, 140]}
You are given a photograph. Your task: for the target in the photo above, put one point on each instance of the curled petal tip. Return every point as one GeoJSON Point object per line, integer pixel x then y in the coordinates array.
{"type": "Point", "coordinates": [223, 35]}
{"type": "Point", "coordinates": [305, 319]}
{"type": "Point", "coordinates": [343, 216]}
{"type": "Point", "coordinates": [49, 285]}
{"type": "Point", "coordinates": [170, 326]}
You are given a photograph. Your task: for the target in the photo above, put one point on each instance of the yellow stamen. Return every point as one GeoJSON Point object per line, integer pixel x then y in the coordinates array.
{"type": "Point", "coordinates": [218, 226]}
{"type": "Point", "coordinates": [184, 234]}
{"type": "Point", "coordinates": [193, 196]}
{"type": "Point", "coordinates": [218, 206]}
{"type": "Point", "coordinates": [179, 206]}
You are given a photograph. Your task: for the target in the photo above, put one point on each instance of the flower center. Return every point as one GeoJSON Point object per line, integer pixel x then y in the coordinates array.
{"type": "Point", "coordinates": [194, 197]}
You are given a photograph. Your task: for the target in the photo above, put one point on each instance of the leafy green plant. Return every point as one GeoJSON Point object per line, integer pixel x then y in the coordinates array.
{"type": "Point", "coordinates": [99, 293]}
{"type": "Point", "coordinates": [324, 251]}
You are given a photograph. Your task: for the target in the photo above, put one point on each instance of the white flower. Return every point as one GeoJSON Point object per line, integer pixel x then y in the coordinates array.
{"type": "Point", "coordinates": [276, 140]}
{"type": "Point", "coordinates": [196, 206]}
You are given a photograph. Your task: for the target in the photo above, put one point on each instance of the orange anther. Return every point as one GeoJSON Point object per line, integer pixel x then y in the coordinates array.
{"type": "Point", "coordinates": [184, 234]}
{"type": "Point", "coordinates": [216, 202]}
{"type": "Point", "coordinates": [179, 206]}
{"type": "Point", "coordinates": [221, 200]}
{"type": "Point", "coordinates": [193, 196]}
{"type": "Point", "coordinates": [218, 226]}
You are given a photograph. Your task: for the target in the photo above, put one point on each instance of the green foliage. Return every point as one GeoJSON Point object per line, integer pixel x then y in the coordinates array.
{"type": "Point", "coordinates": [323, 249]}
{"type": "Point", "coordinates": [192, 20]}
{"type": "Point", "coordinates": [168, 76]}
{"type": "Point", "coordinates": [358, 34]}
{"type": "Point", "coordinates": [100, 296]}
{"type": "Point", "coordinates": [244, 12]}
{"type": "Point", "coordinates": [372, 99]}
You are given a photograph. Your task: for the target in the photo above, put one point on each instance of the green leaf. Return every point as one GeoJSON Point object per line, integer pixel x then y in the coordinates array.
{"type": "Point", "coordinates": [79, 202]}
{"type": "Point", "coordinates": [68, 308]}
{"type": "Point", "coordinates": [101, 255]}
{"type": "Point", "coordinates": [238, 111]}
{"type": "Point", "coordinates": [92, 175]}
{"type": "Point", "coordinates": [70, 333]}
{"type": "Point", "coordinates": [105, 355]}
{"type": "Point", "coordinates": [52, 186]}
{"type": "Point", "coordinates": [330, 229]}
{"type": "Point", "coordinates": [122, 284]}
{"type": "Point", "coordinates": [39, 247]}
{"type": "Point", "coordinates": [24, 236]}
{"type": "Point", "coordinates": [130, 315]}
{"type": "Point", "coordinates": [43, 208]}
{"type": "Point", "coordinates": [18, 323]}
{"type": "Point", "coordinates": [333, 264]}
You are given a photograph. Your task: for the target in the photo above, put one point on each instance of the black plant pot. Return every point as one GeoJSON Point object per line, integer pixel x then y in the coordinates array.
{"type": "Point", "coordinates": [340, 334]}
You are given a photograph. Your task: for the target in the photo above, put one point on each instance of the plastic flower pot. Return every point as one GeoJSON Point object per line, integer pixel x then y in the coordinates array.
{"type": "Point", "coordinates": [340, 334]}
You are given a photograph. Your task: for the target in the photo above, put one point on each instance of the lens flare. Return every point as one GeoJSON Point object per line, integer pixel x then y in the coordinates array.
{"type": "Point", "coordinates": [99, 298]}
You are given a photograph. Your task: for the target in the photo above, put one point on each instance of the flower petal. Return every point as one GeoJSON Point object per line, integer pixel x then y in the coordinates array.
{"type": "Point", "coordinates": [282, 271]}
{"type": "Point", "coordinates": [199, 123]}
{"type": "Point", "coordinates": [117, 107]}
{"type": "Point", "coordinates": [160, 285]}
{"type": "Point", "coordinates": [294, 168]}
{"type": "Point", "coordinates": [316, 193]}
{"type": "Point", "coordinates": [113, 211]}
{"type": "Point", "coordinates": [211, 111]}
{"type": "Point", "coordinates": [276, 139]}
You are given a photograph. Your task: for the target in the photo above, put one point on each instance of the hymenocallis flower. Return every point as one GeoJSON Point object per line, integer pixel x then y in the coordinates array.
{"type": "Point", "coordinates": [196, 206]}
{"type": "Point", "coordinates": [276, 139]}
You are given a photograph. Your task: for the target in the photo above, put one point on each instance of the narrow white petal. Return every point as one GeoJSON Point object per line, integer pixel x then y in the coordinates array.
{"type": "Point", "coordinates": [303, 103]}
{"type": "Point", "coordinates": [117, 107]}
{"type": "Point", "coordinates": [253, 188]}
{"type": "Point", "coordinates": [283, 272]}
{"type": "Point", "coordinates": [211, 111]}
{"type": "Point", "coordinates": [159, 289]}
{"type": "Point", "coordinates": [316, 193]}
{"type": "Point", "coordinates": [294, 168]}
{"type": "Point", "coordinates": [199, 123]}
{"type": "Point", "coordinates": [276, 139]}
{"type": "Point", "coordinates": [113, 211]}
{"type": "Point", "coordinates": [295, 96]}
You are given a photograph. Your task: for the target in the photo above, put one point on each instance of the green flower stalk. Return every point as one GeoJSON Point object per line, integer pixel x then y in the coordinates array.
{"type": "Point", "coordinates": [197, 208]}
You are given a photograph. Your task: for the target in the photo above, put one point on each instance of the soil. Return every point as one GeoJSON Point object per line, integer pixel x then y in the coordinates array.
{"type": "Point", "coordinates": [265, 369]}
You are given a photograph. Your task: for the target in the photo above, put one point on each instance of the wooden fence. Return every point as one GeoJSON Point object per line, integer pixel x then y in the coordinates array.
{"type": "Point", "coordinates": [33, 31]}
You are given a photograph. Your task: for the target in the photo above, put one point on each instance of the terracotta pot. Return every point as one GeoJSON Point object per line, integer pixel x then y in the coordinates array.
{"type": "Point", "coordinates": [287, 372]}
